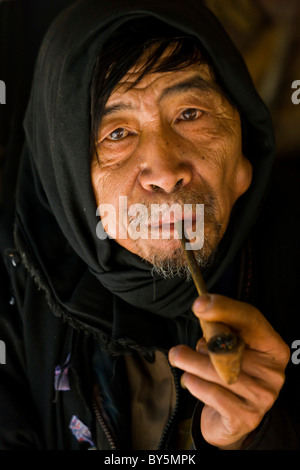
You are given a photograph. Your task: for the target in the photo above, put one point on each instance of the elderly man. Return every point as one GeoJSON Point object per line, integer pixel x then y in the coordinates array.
{"type": "Point", "coordinates": [137, 107]}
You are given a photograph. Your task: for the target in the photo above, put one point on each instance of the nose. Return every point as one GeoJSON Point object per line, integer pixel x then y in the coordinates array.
{"type": "Point", "coordinates": [164, 167]}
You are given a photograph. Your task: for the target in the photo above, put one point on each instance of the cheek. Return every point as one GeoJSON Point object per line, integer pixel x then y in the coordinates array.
{"type": "Point", "coordinates": [111, 189]}
{"type": "Point", "coordinates": [106, 200]}
{"type": "Point", "coordinates": [229, 174]}
{"type": "Point", "coordinates": [234, 169]}
{"type": "Point", "coordinates": [106, 184]}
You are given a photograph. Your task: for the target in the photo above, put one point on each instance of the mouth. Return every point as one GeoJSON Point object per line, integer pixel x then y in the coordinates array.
{"type": "Point", "coordinates": [168, 227]}
{"type": "Point", "coordinates": [167, 222]}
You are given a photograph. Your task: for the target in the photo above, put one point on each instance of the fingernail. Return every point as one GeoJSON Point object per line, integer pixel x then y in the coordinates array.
{"type": "Point", "coordinates": [201, 346]}
{"type": "Point", "coordinates": [182, 383]}
{"type": "Point", "coordinates": [201, 303]}
{"type": "Point", "coordinates": [172, 356]}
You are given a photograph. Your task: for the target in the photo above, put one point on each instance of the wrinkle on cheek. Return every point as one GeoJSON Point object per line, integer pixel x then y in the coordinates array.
{"type": "Point", "coordinates": [228, 125]}
{"type": "Point", "coordinates": [221, 145]}
{"type": "Point", "coordinates": [216, 157]}
{"type": "Point", "coordinates": [103, 179]}
{"type": "Point", "coordinates": [227, 117]}
{"type": "Point", "coordinates": [100, 180]}
{"type": "Point", "coordinates": [221, 167]}
{"type": "Point", "coordinates": [107, 162]}
{"type": "Point", "coordinates": [216, 130]}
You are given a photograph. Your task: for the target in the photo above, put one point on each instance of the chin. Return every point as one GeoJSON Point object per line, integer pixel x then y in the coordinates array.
{"type": "Point", "coordinates": [167, 259]}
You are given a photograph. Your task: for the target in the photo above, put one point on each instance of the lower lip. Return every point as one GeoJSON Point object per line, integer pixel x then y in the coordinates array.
{"type": "Point", "coordinates": [162, 228]}
{"type": "Point", "coordinates": [185, 223]}
{"type": "Point", "coordinates": [169, 228]}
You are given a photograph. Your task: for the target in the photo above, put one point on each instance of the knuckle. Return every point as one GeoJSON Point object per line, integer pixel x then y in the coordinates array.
{"type": "Point", "coordinates": [267, 399]}
{"type": "Point", "coordinates": [286, 353]}
{"type": "Point", "coordinates": [283, 352]}
{"type": "Point", "coordinates": [246, 421]}
{"type": "Point", "coordinates": [279, 381]}
{"type": "Point", "coordinates": [234, 425]}
{"type": "Point", "coordinates": [253, 419]}
{"type": "Point", "coordinates": [251, 416]}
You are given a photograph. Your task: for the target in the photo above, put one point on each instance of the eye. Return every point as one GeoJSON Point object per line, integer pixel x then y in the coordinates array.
{"type": "Point", "coordinates": [118, 134]}
{"type": "Point", "coordinates": [190, 114]}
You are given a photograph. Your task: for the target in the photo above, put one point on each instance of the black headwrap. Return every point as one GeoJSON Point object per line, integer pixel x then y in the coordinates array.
{"type": "Point", "coordinates": [95, 283]}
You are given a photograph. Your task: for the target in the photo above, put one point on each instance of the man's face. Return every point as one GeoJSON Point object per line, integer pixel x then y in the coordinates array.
{"type": "Point", "coordinates": [173, 138]}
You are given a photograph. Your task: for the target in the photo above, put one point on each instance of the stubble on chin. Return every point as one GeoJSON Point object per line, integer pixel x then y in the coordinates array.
{"type": "Point", "coordinates": [168, 261]}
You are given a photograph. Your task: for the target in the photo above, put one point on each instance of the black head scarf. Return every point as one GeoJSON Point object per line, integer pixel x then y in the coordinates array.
{"type": "Point", "coordinates": [95, 283]}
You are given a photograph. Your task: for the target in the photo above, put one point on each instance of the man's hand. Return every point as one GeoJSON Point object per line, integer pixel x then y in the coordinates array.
{"type": "Point", "coordinates": [232, 412]}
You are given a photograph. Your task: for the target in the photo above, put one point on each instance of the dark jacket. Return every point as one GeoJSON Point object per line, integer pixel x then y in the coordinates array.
{"type": "Point", "coordinates": [78, 315]}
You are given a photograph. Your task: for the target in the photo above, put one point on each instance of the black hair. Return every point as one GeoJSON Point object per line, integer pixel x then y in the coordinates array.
{"type": "Point", "coordinates": [124, 49]}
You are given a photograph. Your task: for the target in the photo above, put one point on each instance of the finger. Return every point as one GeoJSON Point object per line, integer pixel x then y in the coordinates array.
{"type": "Point", "coordinates": [193, 362]}
{"type": "Point", "coordinates": [259, 366]}
{"type": "Point", "coordinates": [201, 346]}
{"type": "Point", "coordinates": [212, 394]}
{"type": "Point", "coordinates": [234, 410]}
{"type": "Point", "coordinates": [246, 388]}
{"type": "Point", "coordinates": [245, 319]}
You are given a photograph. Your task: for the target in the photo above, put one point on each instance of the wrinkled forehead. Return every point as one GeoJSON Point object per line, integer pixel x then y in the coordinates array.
{"type": "Point", "coordinates": [135, 76]}
{"type": "Point", "coordinates": [197, 76]}
{"type": "Point", "coordinates": [156, 90]}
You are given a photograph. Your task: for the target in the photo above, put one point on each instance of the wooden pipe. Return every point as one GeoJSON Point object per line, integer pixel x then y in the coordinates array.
{"type": "Point", "coordinates": [225, 348]}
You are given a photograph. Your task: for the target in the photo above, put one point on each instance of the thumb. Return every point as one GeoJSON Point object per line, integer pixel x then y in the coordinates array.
{"type": "Point", "coordinates": [243, 318]}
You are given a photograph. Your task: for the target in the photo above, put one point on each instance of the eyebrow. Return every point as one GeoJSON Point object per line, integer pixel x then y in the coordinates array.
{"type": "Point", "coordinates": [193, 83]}
{"type": "Point", "coordinates": [108, 110]}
